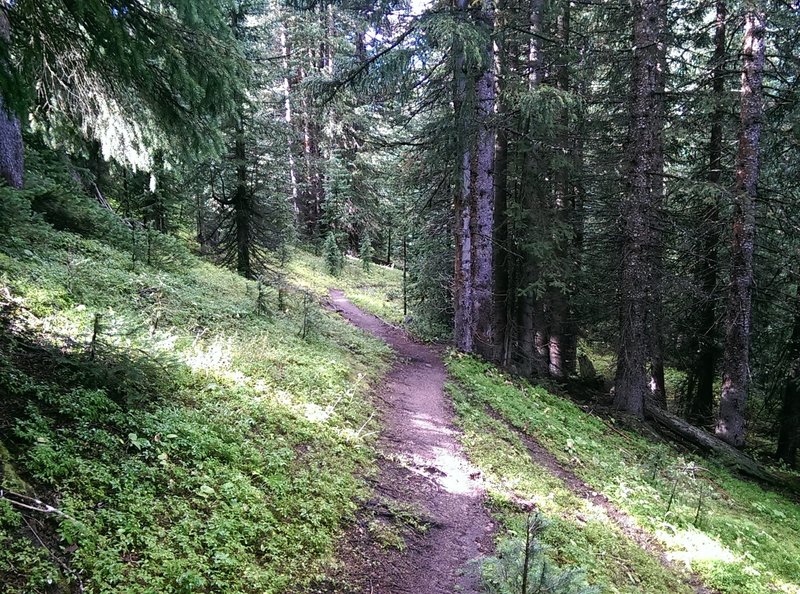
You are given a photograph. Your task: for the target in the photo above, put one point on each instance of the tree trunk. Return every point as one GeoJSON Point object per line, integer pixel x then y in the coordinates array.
{"type": "Point", "coordinates": [736, 361]}
{"type": "Point", "coordinates": [241, 204]}
{"type": "Point", "coordinates": [640, 206]}
{"type": "Point", "coordinates": [12, 165]}
{"type": "Point", "coordinates": [462, 274]}
{"type": "Point", "coordinates": [701, 398]}
{"type": "Point", "coordinates": [483, 203]}
{"type": "Point", "coordinates": [474, 102]}
{"type": "Point", "coordinates": [728, 455]}
{"type": "Point", "coordinates": [789, 433]}
{"type": "Point", "coordinates": [287, 117]}
{"type": "Point", "coordinates": [531, 340]}
{"type": "Point", "coordinates": [462, 278]}
{"type": "Point", "coordinates": [313, 194]}
{"type": "Point", "coordinates": [558, 299]}
{"type": "Point", "coordinates": [502, 268]}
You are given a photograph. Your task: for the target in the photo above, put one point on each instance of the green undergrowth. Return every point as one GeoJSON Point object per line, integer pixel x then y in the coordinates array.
{"type": "Point", "coordinates": [379, 291]}
{"type": "Point", "coordinates": [740, 538]}
{"type": "Point", "coordinates": [187, 435]}
{"type": "Point", "coordinates": [579, 534]}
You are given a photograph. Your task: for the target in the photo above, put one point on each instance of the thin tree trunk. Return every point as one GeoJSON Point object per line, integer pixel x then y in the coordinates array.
{"type": "Point", "coordinates": [701, 398]}
{"type": "Point", "coordinates": [640, 206]}
{"type": "Point", "coordinates": [287, 116]}
{"type": "Point", "coordinates": [736, 361]}
{"type": "Point", "coordinates": [789, 433]}
{"type": "Point", "coordinates": [531, 341]}
{"type": "Point", "coordinates": [242, 204]}
{"type": "Point", "coordinates": [558, 299]}
{"type": "Point", "coordinates": [313, 188]}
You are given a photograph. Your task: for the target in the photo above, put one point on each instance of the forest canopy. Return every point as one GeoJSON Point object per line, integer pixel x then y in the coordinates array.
{"type": "Point", "coordinates": [560, 177]}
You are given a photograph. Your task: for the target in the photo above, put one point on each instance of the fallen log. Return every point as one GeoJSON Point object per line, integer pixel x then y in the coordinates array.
{"type": "Point", "coordinates": [709, 444]}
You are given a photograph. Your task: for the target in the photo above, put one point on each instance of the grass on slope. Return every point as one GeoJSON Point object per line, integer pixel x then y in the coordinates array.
{"type": "Point", "coordinates": [740, 538]}
{"type": "Point", "coordinates": [194, 445]}
{"type": "Point", "coordinates": [379, 291]}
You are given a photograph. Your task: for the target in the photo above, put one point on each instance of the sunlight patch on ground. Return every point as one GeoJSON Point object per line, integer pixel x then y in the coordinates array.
{"type": "Point", "coordinates": [215, 357]}
{"type": "Point", "coordinates": [590, 512]}
{"type": "Point", "coordinates": [691, 546]}
{"type": "Point", "coordinates": [427, 423]}
{"type": "Point", "coordinates": [445, 468]}
{"type": "Point", "coordinates": [786, 587]}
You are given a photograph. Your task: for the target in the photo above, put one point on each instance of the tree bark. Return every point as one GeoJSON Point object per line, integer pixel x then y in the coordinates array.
{"type": "Point", "coordinates": [789, 433]}
{"type": "Point", "coordinates": [474, 103]}
{"type": "Point", "coordinates": [287, 117]}
{"type": "Point", "coordinates": [502, 269]}
{"type": "Point", "coordinates": [483, 201]}
{"type": "Point", "coordinates": [12, 164]}
{"type": "Point", "coordinates": [736, 361]}
{"type": "Point", "coordinates": [701, 398]}
{"type": "Point", "coordinates": [558, 307]}
{"type": "Point", "coordinates": [730, 456]}
{"type": "Point", "coordinates": [242, 206]}
{"type": "Point", "coordinates": [462, 274]}
{"type": "Point", "coordinates": [531, 340]}
{"type": "Point", "coordinates": [640, 206]}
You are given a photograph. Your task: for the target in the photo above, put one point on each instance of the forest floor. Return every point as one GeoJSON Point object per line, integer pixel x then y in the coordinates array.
{"type": "Point", "coordinates": [189, 430]}
{"type": "Point", "coordinates": [422, 468]}
{"type": "Point", "coordinates": [425, 472]}
{"type": "Point", "coordinates": [468, 454]}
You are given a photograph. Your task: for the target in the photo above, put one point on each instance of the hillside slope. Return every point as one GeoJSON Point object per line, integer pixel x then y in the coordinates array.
{"type": "Point", "coordinates": [616, 500]}
{"type": "Point", "coordinates": [165, 427]}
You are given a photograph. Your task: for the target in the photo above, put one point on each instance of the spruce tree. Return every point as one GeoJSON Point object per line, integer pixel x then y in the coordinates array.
{"type": "Point", "coordinates": [332, 254]}
{"type": "Point", "coordinates": [366, 251]}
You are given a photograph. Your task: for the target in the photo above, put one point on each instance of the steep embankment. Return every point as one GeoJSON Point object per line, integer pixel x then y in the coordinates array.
{"type": "Point", "coordinates": [165, 427]}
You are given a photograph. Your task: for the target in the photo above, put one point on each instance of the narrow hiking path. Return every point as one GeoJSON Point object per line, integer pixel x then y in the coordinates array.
{"type": "Point", "coordinates": [423, 465]}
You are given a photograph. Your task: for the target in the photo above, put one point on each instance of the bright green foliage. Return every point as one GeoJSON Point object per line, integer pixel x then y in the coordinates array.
{"type": "Point", "coordinates": [741, 535]}
{"type": "Point", "coordinates": [578, 535]}
{"type": "Point", "coordinates": [204, 448]}
{"type": "Point", "coordinates": [522, 567]}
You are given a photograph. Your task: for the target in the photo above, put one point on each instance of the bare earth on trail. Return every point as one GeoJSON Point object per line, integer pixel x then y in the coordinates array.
{"type": "Point", "coordinates": [422, 466]}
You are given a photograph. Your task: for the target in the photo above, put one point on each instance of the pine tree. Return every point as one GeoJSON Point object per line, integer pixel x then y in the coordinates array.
{"type": "Point", "coordinates": [736, 362]}
{"type": "Point", "coordinates": [639, 291]}
{"type": "Point", "coordinates": [123, 74]}
{"type": "Point", "coordinates": [366, 251]}
{"type": "Point", "coordinates": [333, 255]}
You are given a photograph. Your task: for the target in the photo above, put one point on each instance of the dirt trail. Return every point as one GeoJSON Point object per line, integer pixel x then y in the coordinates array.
{"type": "Point", "coordinates": [422, 465]}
